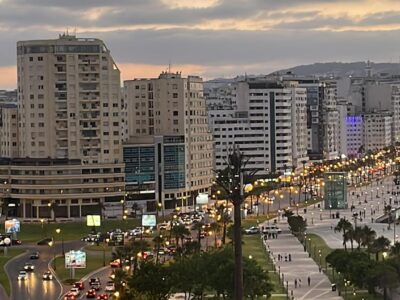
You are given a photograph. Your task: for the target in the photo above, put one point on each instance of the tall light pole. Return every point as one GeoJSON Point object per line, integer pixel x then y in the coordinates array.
{"type": "Point", "coordinates": [58, 230]}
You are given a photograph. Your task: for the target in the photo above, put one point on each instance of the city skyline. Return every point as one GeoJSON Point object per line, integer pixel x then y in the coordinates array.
{"type": "Point", "coordinates": [193, 36]}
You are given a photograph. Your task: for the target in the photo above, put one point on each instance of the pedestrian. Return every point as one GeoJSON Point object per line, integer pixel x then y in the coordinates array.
{"type": "Point", "coordinates": [299, 283]}
{"type": "Point", "coordinates": [309, 280]}
{"type": "Point", "coordinates": [279, 257]}
{"type": "Point", "coordinates": [290, 257]}
{"type": "Point", "coordinates": [285, 257]}
{"type": "Point", "coordinates": [295, 283]}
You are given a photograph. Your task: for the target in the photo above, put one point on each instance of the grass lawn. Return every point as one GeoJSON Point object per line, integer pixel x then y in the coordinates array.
{"type": "Point", "coordinates": [4, 281]}
{"type": "Point", "coordinates": [70, 231]}
{"type": "Point", "coordinates": [252, 245]}
{"type": "Point", "coordinates": [318, 246]}
{"type": "Point", "coordinates": [93, 262]}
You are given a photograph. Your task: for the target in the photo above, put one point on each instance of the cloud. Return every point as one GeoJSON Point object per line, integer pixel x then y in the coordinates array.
{"type": "Point", "coordinates": [210, 37]}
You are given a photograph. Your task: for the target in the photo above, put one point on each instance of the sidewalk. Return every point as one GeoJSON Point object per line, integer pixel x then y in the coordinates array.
{"type": "Point", "coordinates": [299, 268]}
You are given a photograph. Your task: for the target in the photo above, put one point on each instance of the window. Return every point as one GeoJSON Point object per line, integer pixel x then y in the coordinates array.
{"type": "Point", "coordinates": [40, 58]}
{"type": "Point", "coordinates": [30, 58]}
{"type": "Point", "coordinates": [175, 113]}
{"type": "Point", "coordinates": [175, 95]}
{"type": "Point", "coordinates": [41, 105]}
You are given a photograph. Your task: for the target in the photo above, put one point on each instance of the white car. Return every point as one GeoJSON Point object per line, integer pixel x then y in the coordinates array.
{"type": "Point", "coordinates": [110, 287]}
{"type": "Point", "coordinates": [22, 275]}
{"type": "Point", "coordinates": [75, 291]}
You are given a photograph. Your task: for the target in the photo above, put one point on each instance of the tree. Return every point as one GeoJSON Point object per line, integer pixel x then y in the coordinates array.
{"type": "Point", "coordinates": [297, 226]}
{"type": "Point", "coordinates": [395, 249]}
{"type": "Point", "coordinates": [344, 226]}
{"type": "Point", "coordinates": [358, 236]}
{"type": "Point", "coordinates": [102, 208]}
{"type": "Point", "coordinates": [198, 226]}
{"type": "Point", "coordinates": [256, 283]}
{"type": "Point", "coordinates": [135, 207]}
{"type": "Point", "coordinates": [158, 240]}
{"type": "Point", "coordinates": [179, 232]}
{"type": "Point", "coordinates": [224, 218]}
{"type": "Point", "coordinates": [232, 180]}
{"type": "Point", "coordinates": [152, 280]}
{"type": "Point", "coordinates": [381, 244]}
{"type": "Point", "coordinates": [215, 227]}
{"type": "Point", "coordinates": [349, 236]}
{"type": "Point", "coordinates": [368, 237]}
{"type": "Point", "coordinates": [287, 213]}
{"type": "Point", "coordinates": [385, 276]}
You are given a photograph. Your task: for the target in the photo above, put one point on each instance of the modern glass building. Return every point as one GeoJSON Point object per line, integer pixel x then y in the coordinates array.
{"type": "Point", "coordinates": [335, 190]}
{"type": "Point", "coordinates": [155, 172]}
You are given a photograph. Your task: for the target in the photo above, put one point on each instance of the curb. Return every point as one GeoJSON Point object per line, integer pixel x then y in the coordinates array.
{"type": "Point", "coordinates": [55, 276]}
{"type": "Point", "coordinates": [5, 271]}
{"type": "Point", "coordinates": [87, 276]}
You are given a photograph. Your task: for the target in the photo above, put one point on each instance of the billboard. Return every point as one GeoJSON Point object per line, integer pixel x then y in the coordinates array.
{"type": "Point", "coordinates": [116, 239]}
{"type": "Point", "coordinates": [93, 220]}
{"type": "Point", "coordinates": [149, 220]}
{"type": "Point", "coordinates": [12, 226]}
{"type": "Point", "coordinates": [75, 260]}
{"type": "Point", "coordinates": [202, 198]}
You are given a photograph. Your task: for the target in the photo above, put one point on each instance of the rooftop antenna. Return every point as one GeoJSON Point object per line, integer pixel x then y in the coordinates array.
{"type": "Point", "coordinates": [67, 31]}
{"type": "Point", "coordinates": [75, 31]}
{"type": "Point", "coordinates": [169, 66]}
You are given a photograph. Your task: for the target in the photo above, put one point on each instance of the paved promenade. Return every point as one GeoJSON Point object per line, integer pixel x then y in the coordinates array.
{"type": "Point", "coordinates": [299, 268]}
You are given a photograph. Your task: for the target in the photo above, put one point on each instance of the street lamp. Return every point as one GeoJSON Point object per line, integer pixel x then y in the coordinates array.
{"type": "Point", "coordinates": [51, 243]}
{"type": "Point", "coordinates": [58, 230]}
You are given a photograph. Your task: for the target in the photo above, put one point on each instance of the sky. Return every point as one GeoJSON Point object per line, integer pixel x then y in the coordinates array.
{"type": "Point", "coordinates": [210, 38]}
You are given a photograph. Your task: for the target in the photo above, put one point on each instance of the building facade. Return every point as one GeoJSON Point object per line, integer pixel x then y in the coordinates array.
{"type": "Point", "coordinates": [172, 108]}
{"type": "Point", "coordinates": [377, 130]}
{"type": "Point", "coordinates": [68, 124]}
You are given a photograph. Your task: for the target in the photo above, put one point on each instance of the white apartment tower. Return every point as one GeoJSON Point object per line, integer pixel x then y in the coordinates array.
{"type": "Point", "coordinates": [68, 100]}
{"type": "Point", "coordinates": [268, 122]}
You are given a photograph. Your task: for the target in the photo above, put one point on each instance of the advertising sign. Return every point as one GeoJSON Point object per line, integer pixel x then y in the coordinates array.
{"type": "Point", "coordinates": [116, 239]}
{"type": "Point", "coordinates": [75, 260]}
{"type": "Point", "coordinates": [149, 220]}
{"type": "Point", "coordinates": [202, 198]}
{"type": "Point", "coordinates": [12, 226]}
{"type": "Point", "coordinates": [93, 220]}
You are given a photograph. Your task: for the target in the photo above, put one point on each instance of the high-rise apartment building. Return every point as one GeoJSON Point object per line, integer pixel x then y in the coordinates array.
{"type": "Point", "coordinates": [172, 107]}
{"type": "Point", "coordinates": [266, 120]}
{"type": "Point", "coordinates": [69, 140]}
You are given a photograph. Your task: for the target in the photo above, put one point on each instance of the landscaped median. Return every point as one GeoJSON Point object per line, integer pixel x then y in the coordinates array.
{"type": "Point", "coordinates": [69, 231]}
{"type": "Point", "coordinates": [94, 261]}
{"type": "Point", "coordinates": [318, 250]}
{"type": "Point", "coordinates": [253, 247]}
{"type": "Point", "coordinates": [4, 280]}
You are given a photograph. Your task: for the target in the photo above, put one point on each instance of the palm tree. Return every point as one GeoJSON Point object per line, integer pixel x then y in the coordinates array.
{"type": "Point", "coordinates": [381, 244]}
{"type": "Point", "coordinates": [102, 208]}
{"type": "Point", "coordinates": [395, 249]}
{"type": "Point", "coordinates": [358, 234]}
{"type": "Point", "coordinates": [344, 226]}
{"type": "Point", "coordinates": [199, 227]}
{"type": "Point", "coordinates": [224, 218]}
{"type": "Point", "coordinates": [158, 240]}
{"type": "Point", "coordinates": [368, 237]}
{"type": "Point", "coordinates": [179, 232]}
{"type": "Point", "coordinates": [215, 227]}
{"type": "Point", "coordinates": [349, 236]}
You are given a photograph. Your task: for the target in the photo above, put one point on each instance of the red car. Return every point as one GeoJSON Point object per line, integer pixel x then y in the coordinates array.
{"type": "Point", "coordinates": [115, 263]}
{"type": "Point", "coordinates": [79, 285]}
{"type": "Point", "coordinates": [91, 293]}
{"type": "Point", "coordinates": [69, 296]}
{"type": "Point", "coordinates": [102, 297]}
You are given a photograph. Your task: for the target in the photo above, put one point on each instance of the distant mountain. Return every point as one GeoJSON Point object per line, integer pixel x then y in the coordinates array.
{"type": "Point", "coordinates": [343, 69]}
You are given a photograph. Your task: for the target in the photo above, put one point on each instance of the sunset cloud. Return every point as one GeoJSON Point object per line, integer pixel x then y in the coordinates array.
{"type": "Point", "coordinates": [209, 37]}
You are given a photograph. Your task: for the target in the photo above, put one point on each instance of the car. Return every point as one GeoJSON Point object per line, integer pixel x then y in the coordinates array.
{"type": "Point", "coordinates": [69, 296]}
{"type": "Point", "coordinates": [35, 255]}
{"type": "Point", "coordinates": [94, 280]}
{"type": "Point", "coordinates": [271, 229]}
{"type": "Point", "coordinates": [164, 226]}
{"type": "Point", "coordinates": [16, 242]}
{"type": "Point", "coordinates": [79, 285]}
{"type": "Point", "coordinates": [95, 285]}
{"type": "Point", "coordinates": [22, 275]}
{"type": "Point", "coordinates": [136, 232]}
{"type": "Point", "coordinates": [252, 230]}
{"type": "Point", "coordinates": [29, 267]}
{"type": "Point", "coordinates": [115, 263]}
{"type": "Point", "coordinates": [75, 291]}
{"type": "Point", "coordinates": [44, 242]}
{"type": "Point", "coordinates": [102, 297]}
{"type": "Point", "coordinates": [148, 255]}
{"type": "Point", "coordinates": [47, 276]}
{"type": "Point", "coordinates": [91, 293]}
{"type": "Point", "coordinates": [110, 286]}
